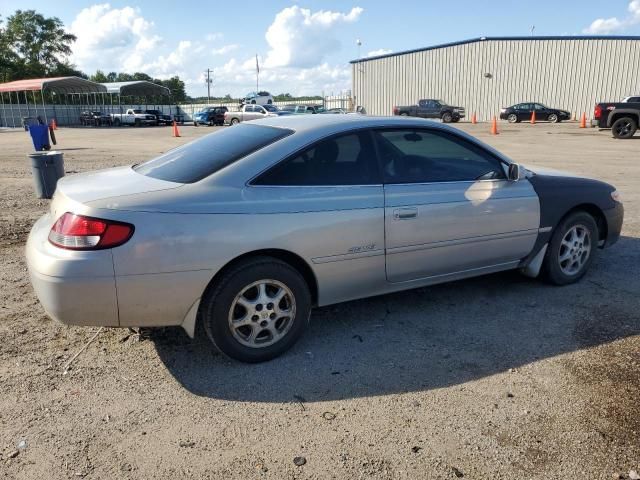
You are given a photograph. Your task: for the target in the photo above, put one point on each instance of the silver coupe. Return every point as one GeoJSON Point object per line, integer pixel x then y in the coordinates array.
{"type": "Point", "coordinates": [246, 229]}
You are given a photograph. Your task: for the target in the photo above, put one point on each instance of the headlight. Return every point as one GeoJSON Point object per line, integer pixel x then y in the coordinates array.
{"type": "Point", "coordinates": [615, 195]}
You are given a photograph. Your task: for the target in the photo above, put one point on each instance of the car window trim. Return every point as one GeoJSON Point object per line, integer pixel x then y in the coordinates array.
{"type": "Point", "coordinates": [376, 163]}
{"type": "Point", "coordinates": [463, 140]}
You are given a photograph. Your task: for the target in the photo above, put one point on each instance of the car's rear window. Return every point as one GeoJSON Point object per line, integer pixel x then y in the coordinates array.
{"type": "Point", "coordinates": [207, 155]}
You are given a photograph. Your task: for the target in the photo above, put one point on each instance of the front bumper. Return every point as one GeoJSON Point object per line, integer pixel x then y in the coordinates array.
{"type": "Point", "coordinates": [615, 218]}
{"type": "Point", "coordinates": [74, 287]}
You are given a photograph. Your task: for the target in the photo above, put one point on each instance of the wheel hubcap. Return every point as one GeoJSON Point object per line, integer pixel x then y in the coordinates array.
{"type": "Point", "coordinates": [262, 313]}
{"type": "Point", "coordinates": [575, 250]}
{"type": "Point", "coordinates": [512, 118]}
{"type": "Point", "coordinates": [624, 128]}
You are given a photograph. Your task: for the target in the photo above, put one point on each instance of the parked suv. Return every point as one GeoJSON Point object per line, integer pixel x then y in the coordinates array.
{"type": "Point", "coordinates": [259, 98]}
{"type": "Point", "coordinates": [210, 116]}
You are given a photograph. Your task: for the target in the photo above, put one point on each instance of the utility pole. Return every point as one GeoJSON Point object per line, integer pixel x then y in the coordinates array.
{"type": "Point", "coordinates": [209, 81]}
{"type": "Point", "coordinates": [257, 74]}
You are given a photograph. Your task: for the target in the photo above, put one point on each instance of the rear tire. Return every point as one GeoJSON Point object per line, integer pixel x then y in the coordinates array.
{"type": "Point", "coordinates": [573, 246]}
{"type": "Point", "coordinates": [624, 128]}
{"type": "Point", "coordinates": [257, 310]}
{"type": "Point", "coordinates": [234, 121]}
{"type": "Point", "coordinates": [116, 122]}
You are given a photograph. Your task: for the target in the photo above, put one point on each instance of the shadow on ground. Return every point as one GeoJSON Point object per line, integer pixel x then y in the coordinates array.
{"type": "Point", "coordinates": [425, 338]}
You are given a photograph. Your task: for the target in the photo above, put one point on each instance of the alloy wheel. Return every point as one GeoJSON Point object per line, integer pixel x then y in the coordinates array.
{"type": "Point", "coordinates": [575, 250]}
{"type": "Point", "coordinates": [262, 313]}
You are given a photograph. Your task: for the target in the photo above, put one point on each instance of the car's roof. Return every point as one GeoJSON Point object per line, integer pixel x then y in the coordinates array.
{"type": "Point", "coordinates": [302, 123]}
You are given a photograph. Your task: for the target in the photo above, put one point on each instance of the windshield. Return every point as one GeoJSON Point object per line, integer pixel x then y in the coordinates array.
{"type": "Point", "coordinates": [137, 111]}
{"type": "Point", "coordinates": [271, 108]}
{"type": "Point", "coordinates": [207, 155]}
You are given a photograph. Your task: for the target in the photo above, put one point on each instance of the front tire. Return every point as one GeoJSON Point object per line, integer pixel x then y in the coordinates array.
{"type": "Point", "coordinates": [512, 118]}
{"type": "Point", "coordinates": [234, 121]}
{"type": "Point", "coordinates": [447, 117]}
{"type": "Point", "coordinates": [257, 310]}
{"type": "Point", "coordinates": [572, 248]}
{"type": "Point", "coordinates": [624, 128]}
{"type": "Point", "coordinates": [553, 118]}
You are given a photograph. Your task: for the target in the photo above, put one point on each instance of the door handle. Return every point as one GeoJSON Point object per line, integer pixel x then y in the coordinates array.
{"type": "Point", "coordinates": [405, 213]}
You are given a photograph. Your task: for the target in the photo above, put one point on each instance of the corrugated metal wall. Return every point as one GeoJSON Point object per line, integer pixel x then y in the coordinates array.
{"type": "Point", "coordinates": [572, 74]}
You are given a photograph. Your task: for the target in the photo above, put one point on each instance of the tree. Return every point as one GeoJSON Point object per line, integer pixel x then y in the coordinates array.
{"type": "Point", "coordinates": [99, 77]}
{"type": "Point", "coordinates": [177, 88]}
{"type": "Point", "coordinates": [37, 46]}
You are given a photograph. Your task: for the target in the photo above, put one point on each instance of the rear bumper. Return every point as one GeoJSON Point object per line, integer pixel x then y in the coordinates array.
{"type": "Point", "coordinates": [615, 218]}
{"type": "Point", "coordinates": [74, 287]}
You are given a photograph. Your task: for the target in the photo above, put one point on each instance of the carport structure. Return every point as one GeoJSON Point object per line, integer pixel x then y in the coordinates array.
{"type": "Point", "coordinates": [57, 90]}
{"type": "Point", "coordinates": [139, 90]}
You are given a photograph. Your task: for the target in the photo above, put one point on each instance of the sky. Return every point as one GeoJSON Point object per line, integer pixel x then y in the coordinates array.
{"type": "Point", "coordinates": [303, 48]}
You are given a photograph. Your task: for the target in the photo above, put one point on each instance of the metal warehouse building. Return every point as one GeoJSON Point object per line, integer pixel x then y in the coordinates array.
{"type": "Point", "coordinates": [485, 74]}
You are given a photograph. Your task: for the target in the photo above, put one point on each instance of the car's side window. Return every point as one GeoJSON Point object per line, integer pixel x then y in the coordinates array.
{"type": "Point", "coordinates": [344, 160]}
{"type": "Point", "coordinates": [426, 156]}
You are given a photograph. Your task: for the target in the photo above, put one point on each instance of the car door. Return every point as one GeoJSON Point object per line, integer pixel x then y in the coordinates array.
{"type": "Point", "coordinates": [330, 201]}
{"type": "Point", "coordinates": [524, 111]}
{"type": "Point", "coordinates": [449, 208]}
{"type": "Point", "coordinates": [542, 112]}
{"type": "Point", "coordinates": [422, 110]}
{"type": "Point", "coordinates": [250, 113]}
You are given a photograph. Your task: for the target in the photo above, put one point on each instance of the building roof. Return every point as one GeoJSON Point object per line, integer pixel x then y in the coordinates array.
{"type": "Point", "coordinates": [56, 84]}
{"type": "Point", "coordinates": [486, 39]}
{"type": "Point", "coordinates": [137, 88]}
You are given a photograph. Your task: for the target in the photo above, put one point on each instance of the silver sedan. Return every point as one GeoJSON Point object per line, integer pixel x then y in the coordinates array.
{"type": "Point", "coordinates": [246, 229]}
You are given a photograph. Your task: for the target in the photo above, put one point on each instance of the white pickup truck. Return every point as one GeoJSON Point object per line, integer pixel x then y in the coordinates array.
{"type": "Point", "coordinates": [133, 117]}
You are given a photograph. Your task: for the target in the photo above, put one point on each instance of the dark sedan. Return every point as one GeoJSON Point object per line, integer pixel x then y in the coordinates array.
{"type": "Point", "coordinates": [94, 118]}
{"type": "Point", "coordinates": [522, 111]}
{"type": "Point", "coordinates": [162, 118]}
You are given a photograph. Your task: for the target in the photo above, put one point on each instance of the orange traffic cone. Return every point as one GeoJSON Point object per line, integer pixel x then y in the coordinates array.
{"type": "Point", "coordinates": [54, 125]}
{"type": "Point", "coordinates": [176, 132]}
{"type": "Point", "coordinates": [583, 120]}
{"type": "Point", "coordinates": [474, 119]}
{"type": "Point", "coordinates": [494, 126]}
{"type": "Point", "coordinates": [533, 117]}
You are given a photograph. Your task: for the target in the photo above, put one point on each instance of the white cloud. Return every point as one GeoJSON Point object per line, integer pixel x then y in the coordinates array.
{"type": "Point", "coordinates": [299, 38]}
{"type": "Point", "coordinates": [225, 49]}
{"type": "Point", "coordinates": [111, 38]}
{"type": "Point", "coordinates": [381, 51]}
{"type": "Point", "coordinates": [605, 26]}
{"type": "Point", "coordinates": [298, 60]}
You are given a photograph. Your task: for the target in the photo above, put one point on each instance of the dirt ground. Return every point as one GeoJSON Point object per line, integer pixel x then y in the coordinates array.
{"type": "Point", "coordinates": [499, 377]}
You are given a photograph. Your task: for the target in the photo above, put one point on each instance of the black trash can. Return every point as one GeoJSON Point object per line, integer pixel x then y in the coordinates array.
{"type": "Point", "coordinates": [47, 168]}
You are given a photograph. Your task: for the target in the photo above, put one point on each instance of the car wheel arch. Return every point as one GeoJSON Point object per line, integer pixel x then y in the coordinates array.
{"type": "Point", "coordinates": [595, 212]}
{"type": "Point", "coordinates": [292, 259]}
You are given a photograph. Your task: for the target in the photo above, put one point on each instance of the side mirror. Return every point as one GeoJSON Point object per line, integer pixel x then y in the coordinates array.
{"type": "Point", "coordinates": [514, 172]}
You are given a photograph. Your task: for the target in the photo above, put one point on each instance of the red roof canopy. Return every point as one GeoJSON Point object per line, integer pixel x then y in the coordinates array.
{"type": "Point", "coordinates": [56, 84]}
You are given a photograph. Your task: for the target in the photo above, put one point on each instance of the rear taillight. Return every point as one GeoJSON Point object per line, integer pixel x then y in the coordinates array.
{"type": "Point", "coordinates": [597, 112]}
{"type": "Point", "coordinates": [77, 232]}
{"type": "Point", "coordinates": [396, 110]}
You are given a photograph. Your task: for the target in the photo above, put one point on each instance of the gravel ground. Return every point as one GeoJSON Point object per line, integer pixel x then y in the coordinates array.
{"type": "Point", "coordinates": [499, 377]}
